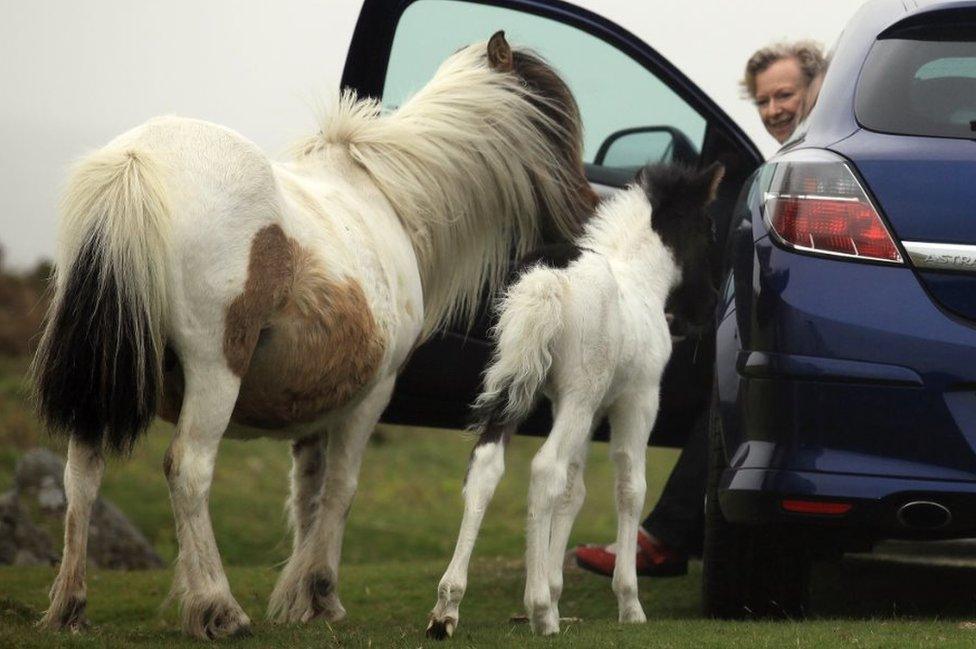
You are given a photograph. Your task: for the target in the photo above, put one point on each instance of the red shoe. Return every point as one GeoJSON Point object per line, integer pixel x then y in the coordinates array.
{"type": "Point", "coordinates": [654, 559]}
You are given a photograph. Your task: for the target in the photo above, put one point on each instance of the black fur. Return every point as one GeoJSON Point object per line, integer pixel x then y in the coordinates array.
{"type": "Point", "coordinates": [551, 255]}
{"type": "Point", "coordinates": [492, 422]}
{"type": "Point", "coordinates": [86, 371]}
{"type": "Point", "coordinates": [679, 196]}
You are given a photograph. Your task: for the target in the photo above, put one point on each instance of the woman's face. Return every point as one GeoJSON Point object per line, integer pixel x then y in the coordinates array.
{"type": "Point", "coordinates": [779, 97]}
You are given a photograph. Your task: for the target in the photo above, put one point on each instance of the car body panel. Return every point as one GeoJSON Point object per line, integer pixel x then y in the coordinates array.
{"type": "Point", "coordinates": [850, 380]}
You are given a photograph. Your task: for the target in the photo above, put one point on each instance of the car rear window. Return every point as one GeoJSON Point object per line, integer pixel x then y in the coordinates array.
{"type": "Point", "coordinates": [922, 82]}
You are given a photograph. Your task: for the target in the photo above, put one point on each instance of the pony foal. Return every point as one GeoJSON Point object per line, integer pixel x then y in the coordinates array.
{"type": "Point", "coordinates": [201, 281]}
{"type": "Point", "coordinates": [594, 339]}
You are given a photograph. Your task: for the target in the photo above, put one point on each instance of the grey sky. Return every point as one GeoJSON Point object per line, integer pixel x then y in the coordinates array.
{"type": "Point", "coordinates": [75, 74]}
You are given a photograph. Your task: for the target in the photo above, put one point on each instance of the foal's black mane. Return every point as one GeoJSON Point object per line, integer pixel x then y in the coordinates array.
{"type": "Point", "coordinates": [679, 195]}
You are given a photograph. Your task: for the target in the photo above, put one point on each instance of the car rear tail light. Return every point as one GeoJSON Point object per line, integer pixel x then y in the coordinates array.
{"type": "Point", "coordinates": [815, 203]}
{"type": "Point", "coordinates": [821, 507]}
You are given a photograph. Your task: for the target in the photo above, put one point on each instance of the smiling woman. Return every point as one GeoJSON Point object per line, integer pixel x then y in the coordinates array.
{"type": "Point", "coordinates": [783, 80]}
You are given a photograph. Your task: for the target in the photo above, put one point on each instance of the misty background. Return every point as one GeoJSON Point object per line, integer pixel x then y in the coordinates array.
{"type": "Point", "coordinates": [75, 74]}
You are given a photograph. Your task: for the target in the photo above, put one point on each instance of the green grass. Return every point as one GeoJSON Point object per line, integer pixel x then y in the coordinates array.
{"type": "Point", "coordinates": [400, 536]}
{"type": "Point", "coordinates": [388, 603]}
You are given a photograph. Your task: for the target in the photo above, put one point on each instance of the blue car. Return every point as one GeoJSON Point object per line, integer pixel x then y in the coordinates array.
{"type": "Point", "coordinates": [841, 385]}
{"type": "Point", "coordinates": [844, 401]}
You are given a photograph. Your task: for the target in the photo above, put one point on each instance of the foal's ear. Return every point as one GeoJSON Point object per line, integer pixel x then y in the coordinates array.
{"type": "Point", "coordinates": [711, 178]}
{"type": "Point", "coordinates": [499, 53]}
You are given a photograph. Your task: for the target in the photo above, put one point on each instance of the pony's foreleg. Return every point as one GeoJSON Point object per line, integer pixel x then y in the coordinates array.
{"type": "Point", "coordinates": [308, 585]}
{"type": "Point", "coordinates": [306, 481]}
{"type": "Point", "coordinates": [208, 609]}
{"type": "Point", "coordinates": [631, 420]}
{"type": "Point", "coordinates": [82, 477]}
{"type": "Point", "coordinates": [485, 471]}
{"type": "Point", "coordinates": [549, 480]}
{"type": "Point", "coordinates": [566, 509]}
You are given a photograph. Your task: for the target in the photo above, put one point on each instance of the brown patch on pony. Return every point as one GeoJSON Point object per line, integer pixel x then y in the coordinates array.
{"type": "Point", "coordinates": [537, 75]}
{"type": "Point", "coordinates": [269, 273]}
{"type": "Point", "coordinates": [302, 343]}
{"type": "Point", "coordinates": [318, 351]}
{"type": "Point", "coordinates": [499, 53]}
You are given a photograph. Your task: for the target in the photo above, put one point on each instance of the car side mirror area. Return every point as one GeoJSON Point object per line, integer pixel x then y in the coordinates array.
{"type": "Point", "coordinates": [632, 148]}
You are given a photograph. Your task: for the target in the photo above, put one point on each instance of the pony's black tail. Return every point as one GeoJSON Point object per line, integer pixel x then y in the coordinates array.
{"type": "Point", "coordinates": [97, 372]}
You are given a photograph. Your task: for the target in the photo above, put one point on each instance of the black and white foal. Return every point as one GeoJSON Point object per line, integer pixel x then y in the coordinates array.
{"type": "Point", "coordinates": [592, 337]}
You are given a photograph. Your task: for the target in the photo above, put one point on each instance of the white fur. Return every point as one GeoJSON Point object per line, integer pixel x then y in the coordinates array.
{"type": "Point", "coordinates": [593, 337]}
{"type": "Point", "coordinates": [419, 207]}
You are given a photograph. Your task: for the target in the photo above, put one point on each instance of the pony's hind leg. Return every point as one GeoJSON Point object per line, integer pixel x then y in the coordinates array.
{"type": "Point", "coordinates": [208, 610]}
{"type": "Point", "coordinates": [566, 509]}
{"type": "Point", "coordinates": [484, 472]}
{"type": "Point", "coordinates": [549, 480]}
{"type": "Point", "coordinates": [307, 470]}
{"type": "Point", "coordinates": [82, 477]}
{"type": "Point", "coordinates": [308, 585]}
{"type": "Point", "coordinates": [631, 420]}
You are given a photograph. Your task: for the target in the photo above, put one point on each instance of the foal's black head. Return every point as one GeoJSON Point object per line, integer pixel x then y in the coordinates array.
{"type": "Point", "coordinates": [678, 197]}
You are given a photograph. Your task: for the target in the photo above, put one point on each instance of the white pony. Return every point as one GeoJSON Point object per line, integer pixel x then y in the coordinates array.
{"type": "Point", "coordinates": [594, 338]}
{"type": "Point", "coordinates": [226, 292]}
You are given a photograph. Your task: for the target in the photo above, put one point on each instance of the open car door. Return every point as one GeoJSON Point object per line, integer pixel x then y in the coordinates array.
{"type": "Point", "coordinates": [636, 107]}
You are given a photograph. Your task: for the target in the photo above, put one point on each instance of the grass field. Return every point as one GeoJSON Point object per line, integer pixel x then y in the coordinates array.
{"type": "Point", "coordinates": [400, 536]}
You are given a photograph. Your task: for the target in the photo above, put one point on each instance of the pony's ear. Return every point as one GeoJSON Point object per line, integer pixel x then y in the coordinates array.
{"type": "Point", "coordinates": [643, 178]}
{"type": "Point", "coordinates": [499, 53]}
{"type": "Point", "coordinates": [711, 178]}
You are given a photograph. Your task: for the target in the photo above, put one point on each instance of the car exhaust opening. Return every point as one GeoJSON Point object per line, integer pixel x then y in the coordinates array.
{"type": "Point", "coordinates": [924, 515]}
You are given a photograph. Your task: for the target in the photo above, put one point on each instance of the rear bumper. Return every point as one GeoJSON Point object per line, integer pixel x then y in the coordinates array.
{"type": "Point", "coordinates": [755, 496]}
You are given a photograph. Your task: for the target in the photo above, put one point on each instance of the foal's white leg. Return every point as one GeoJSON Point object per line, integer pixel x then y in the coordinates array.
{"type": "Point", "coordinates": [82, 477]}
{"type": "Point", "coordinates": [566, 510]}
{"type": "Point", "coordinates": [484, 473]}
{"type": "Point", "coordinates": [207, 607]}
{"type": "Point", "coordinates": [631, 420]}
{"type": "Point", "coordinates": [549, 480]}
{"type": "Point", "coordinates": [308, 585]}
{"type": "Point", "coordinates": [307, 470]}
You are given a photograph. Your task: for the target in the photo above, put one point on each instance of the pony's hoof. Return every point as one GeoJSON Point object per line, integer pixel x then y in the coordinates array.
{"type": "Point", "coordinates": [309, 599]}
{"type": "Point", "coordinates": [330, 609]}
{"type": "Point", "coordinates": [68, 616]}
{"type": "Point", "coordinates": [441, 629]}
{"type": "Point", "coordinates": [217, 620]}
{"type": "Point", "coordinates": [633, 616]}
{"type": "Point", "coordinates": [545, 623]}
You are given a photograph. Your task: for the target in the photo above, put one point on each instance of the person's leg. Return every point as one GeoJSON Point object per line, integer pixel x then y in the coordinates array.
{"type": "Point", "coordinates": [678, 519]}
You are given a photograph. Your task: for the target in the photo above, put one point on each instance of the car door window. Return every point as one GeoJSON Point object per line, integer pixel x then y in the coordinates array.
{"type": "Point", "coordinates": [630, 116]}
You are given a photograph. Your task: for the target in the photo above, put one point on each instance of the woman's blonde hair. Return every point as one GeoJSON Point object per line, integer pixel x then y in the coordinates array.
{"type": "Point", "coordinates": [809, 54]}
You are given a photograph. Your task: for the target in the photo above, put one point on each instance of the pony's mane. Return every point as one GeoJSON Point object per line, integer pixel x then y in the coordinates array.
{"type": "Point", "coordinates": [469, 163]}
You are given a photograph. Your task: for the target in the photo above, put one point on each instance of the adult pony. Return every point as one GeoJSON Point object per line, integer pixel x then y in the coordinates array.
{"type": "Point", "coordinates": [594, 338]}
{"type": "Point", "coordinates": [199, 280]}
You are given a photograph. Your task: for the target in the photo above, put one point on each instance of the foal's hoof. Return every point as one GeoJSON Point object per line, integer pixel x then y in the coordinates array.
{"type": "Point", "coordinates": [216, 620]}
{"type": "Point", "coordinates": [545, 622]}
{"type": "Point", "coordinates": [633, 615]}
{"type": "Point", "coordinates": [66, 616]}
{"type": "Point", "coordinates": [441, 629]}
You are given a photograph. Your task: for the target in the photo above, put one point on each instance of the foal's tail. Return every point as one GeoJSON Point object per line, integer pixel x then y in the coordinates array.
{"type": "Point", "coordinates": [531, 316]}
{"type": "Point", "coordinates": [97, 372]}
